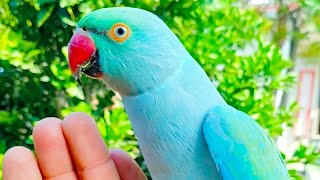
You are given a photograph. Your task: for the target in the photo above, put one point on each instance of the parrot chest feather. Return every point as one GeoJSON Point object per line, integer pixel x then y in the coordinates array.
{"type": "Point", "coordinates": [168, 124]}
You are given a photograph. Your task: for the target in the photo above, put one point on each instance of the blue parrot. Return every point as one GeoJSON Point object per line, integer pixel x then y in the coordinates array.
{"type": "Point", "coordinates": [184, 127]}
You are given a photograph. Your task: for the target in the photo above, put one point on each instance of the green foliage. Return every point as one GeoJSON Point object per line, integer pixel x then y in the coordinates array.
{"type": "Point", "coordinates": [312, 9]}
{"type": "Point", "coordinates": [304, 154]}
{"type": "Point", "coordinates": [226, 41]}
{"type": "Point", "coordinates": [312, 52]}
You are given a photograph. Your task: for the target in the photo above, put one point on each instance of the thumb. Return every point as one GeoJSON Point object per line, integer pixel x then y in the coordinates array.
{"type": "Point", "coordinates": [127, 168]}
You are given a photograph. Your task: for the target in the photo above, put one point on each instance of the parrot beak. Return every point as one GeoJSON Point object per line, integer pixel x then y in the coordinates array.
{"type": "Point", "coordinates": [83, 56]}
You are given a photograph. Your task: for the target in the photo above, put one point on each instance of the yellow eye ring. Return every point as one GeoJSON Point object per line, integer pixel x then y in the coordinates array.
{"type": "Point", "coordinates": [119, 32]}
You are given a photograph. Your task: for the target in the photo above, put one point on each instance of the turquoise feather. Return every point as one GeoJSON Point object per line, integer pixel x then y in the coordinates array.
{"type": "Point", "coordinates": [184, 127]}
{"type": "Point", "coordinates": [240, 147]}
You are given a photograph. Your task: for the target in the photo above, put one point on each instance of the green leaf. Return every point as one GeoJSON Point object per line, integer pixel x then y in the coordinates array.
{"type": "Point", "coordinates": [66, 3]}
{"type": "Point", "coordinates": [68, 21]}
{"type": "Point", "coordinates": [80, 107]}
{"type": "Point", "coordinates": [44, 14]}
{"type": "Point", "coordinates": [6, 117]}
{"type": "Point", "coordinates": [294, 175]}
{"type": "Point", "coordinates": [74, 91]}
{"type": "Point", "coordinates": [42, 2]}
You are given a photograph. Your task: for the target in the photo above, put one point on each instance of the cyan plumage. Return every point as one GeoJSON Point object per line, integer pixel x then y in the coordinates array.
{"type": "Point", "coordinates": [184, 127]}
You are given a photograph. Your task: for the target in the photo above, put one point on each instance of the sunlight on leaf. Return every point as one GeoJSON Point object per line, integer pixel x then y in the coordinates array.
{"type": "Point", "coordinates": [44, 14]}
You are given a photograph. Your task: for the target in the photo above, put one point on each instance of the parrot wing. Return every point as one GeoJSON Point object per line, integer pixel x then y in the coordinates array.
{"type": "Point", "coordinates": [240, 147]}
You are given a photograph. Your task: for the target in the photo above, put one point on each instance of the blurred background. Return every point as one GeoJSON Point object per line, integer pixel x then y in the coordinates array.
{"type": "Point", "coordinates": [262, 55]}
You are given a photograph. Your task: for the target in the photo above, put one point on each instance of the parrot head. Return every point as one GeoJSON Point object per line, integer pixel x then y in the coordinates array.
{"type": "Point", "coordinates": [130, 49]}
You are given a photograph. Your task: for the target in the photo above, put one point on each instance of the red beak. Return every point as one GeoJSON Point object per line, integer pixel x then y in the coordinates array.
{"type": "Point", "coordinates": [82, 55]}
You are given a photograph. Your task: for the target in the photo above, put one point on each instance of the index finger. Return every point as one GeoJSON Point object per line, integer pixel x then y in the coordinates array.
{"type": "Point", "coordinates": [87, 148]}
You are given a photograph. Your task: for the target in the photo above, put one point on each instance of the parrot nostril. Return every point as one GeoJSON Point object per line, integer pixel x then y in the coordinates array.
{"type": "Point", "coordinates": [84, 28]}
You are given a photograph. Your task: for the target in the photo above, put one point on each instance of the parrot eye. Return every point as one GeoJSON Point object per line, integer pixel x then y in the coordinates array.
{"type": "Point", "coordinates": [119, 32]}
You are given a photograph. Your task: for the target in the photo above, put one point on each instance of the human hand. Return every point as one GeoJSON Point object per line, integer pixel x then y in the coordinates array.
{"type": "Point", "coordinates": [68, 150]}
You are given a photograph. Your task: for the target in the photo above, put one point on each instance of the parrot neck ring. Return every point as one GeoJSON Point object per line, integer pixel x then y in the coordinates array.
{"type": "Point", "coordinates": [91, 68]}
